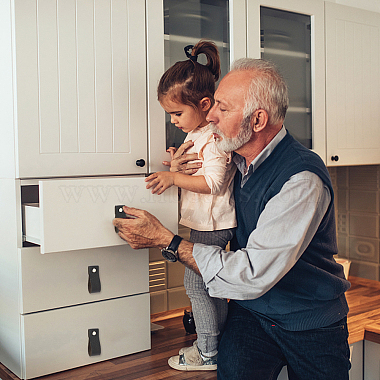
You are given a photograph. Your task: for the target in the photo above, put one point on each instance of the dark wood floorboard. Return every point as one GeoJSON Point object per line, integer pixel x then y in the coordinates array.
{"type": "Point", "coordinates": [147, 365]}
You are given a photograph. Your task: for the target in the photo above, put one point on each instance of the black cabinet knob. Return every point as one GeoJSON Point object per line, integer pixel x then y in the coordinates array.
{"type": "Point", "coordinates": [334, 158]}
{"type": "Point", "coordinates": [140, 162]}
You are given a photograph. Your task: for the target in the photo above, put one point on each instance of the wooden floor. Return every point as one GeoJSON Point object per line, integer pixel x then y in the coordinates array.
{"type": "Point", "coordinates": [147, 365]}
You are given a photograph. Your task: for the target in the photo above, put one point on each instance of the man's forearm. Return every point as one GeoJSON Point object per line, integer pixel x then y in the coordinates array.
{"type": "Point", "coordinates": [185, 256]}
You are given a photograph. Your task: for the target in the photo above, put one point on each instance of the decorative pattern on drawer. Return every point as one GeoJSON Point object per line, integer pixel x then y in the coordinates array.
{"type": "Point", "coordinates": [57, 340]}
{"type": "Point", "coordinates": [64, 279]}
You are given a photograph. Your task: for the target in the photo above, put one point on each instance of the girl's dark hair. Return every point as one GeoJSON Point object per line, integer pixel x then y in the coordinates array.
{"type": "Point", "coordinates": [188, 81]}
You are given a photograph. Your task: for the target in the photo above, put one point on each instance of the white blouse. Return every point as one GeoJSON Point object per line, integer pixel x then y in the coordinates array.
{"type": "Point", "coordinates": [215, 211]}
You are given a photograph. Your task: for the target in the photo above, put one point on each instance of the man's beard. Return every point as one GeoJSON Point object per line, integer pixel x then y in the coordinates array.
{"type": "Point", "coordinates": [229, 144]}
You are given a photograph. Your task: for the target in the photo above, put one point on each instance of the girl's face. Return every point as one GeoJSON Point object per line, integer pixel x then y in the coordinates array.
{"type": "Point", "coordinates": [183, 116]}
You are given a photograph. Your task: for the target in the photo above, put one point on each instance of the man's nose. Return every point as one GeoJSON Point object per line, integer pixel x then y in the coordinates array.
{"type": "Point", "coordinates": [211, 117]}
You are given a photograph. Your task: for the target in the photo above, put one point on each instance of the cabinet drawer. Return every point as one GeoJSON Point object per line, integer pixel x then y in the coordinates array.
{"type": "Point", "coordinates": [77, 214]}
{"type": "Point", "coordinates": [76, 277]}
{"type": "Point", "coordinates": [58, 340]}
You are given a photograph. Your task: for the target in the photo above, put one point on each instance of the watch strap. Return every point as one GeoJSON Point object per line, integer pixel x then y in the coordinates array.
{"type": "Point", "coordinates": [174, 244]}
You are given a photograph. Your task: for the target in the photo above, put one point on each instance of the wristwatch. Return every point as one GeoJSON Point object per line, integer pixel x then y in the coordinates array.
{"type": "Point", "coordinates": [170, 252]}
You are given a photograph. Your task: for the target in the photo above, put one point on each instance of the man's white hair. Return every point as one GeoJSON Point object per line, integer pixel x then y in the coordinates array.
{"type": "Point", "coordinates": [267, 91]}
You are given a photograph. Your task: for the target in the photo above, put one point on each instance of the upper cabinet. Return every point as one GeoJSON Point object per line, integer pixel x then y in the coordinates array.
{"type": "Point", "coordinates": [185, 23]}
{"type": "Point", "coordinates": [290, 34]}
{"type": "Point", "coordinates": [79, 87]}
{"type": "Point", "coordinates": [352, 85]}
{"type": "Point", "coordinates": [80, 78]}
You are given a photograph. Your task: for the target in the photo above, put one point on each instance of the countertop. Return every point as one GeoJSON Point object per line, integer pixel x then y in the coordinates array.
{"type": "Point", "coordinates": [364, 316]}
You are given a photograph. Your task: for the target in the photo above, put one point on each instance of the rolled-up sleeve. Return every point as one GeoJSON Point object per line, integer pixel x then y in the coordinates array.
{"type": "Point", "coordinates": [284, 230]}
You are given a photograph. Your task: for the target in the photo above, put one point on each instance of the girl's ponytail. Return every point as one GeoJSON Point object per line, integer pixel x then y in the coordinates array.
{"type": "Point", "coordinates": [210, 50]}
{"type": "Point", "coordinates": [188, 81]}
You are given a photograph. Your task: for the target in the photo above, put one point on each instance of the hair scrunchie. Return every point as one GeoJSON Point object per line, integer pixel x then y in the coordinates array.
{"type": "Point", "coordinates": [188, 54]}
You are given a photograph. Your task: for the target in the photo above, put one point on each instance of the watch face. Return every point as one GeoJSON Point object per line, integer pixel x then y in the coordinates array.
{"type": "Point", "coordinates": [169, 255]}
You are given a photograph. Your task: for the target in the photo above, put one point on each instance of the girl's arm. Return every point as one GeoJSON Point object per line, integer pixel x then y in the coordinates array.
{"type": "Point", "coordinates": [161, 181]}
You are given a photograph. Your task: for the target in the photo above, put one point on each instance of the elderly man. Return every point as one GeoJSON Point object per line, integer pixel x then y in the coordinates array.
{"type": "Point", "coordinates": [287, 304]}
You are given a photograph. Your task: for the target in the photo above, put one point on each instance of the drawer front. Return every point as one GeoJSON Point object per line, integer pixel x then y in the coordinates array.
{"type": "Point", "coordinates": [59, 339]}
{"type": "Point", "coordinates": [76, 277]}
{"type": "Point", "coordinates": [77, 213]}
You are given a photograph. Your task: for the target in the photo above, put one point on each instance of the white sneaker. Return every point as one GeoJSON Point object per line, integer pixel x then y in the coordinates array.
{"type": "Point", "coordinates": [191, 359]}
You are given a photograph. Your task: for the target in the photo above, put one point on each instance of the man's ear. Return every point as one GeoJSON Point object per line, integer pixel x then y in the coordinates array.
{"type": "Point", "coordinates": [205, 104]}
{"type": "Point", "coordinates": [259, 120]}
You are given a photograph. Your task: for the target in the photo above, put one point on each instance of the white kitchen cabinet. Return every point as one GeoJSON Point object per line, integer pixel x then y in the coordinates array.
{"type": "Point", "coordinates": [356, 357]}
{"type": "Point", "coordinates": [352, 85]}
{"type": "Point", "coordinates": [274, 31]}
{"type": "Point", "coordinates": [75, 143]}
{"type": "Point", "coordinates": [79, 87]}
{"type": "Point", "coordinates": [371, 360]}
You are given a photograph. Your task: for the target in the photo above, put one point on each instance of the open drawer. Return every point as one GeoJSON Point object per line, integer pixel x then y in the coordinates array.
{"type": "Point", "coordinates": [73, 214]}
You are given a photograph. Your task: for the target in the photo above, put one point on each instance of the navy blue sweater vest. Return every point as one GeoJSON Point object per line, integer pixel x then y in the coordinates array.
{"type": "Point", "coordinates": [311, 294]}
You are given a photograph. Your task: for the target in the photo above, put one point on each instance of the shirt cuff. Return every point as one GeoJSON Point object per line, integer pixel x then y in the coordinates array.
{"type": "Point", "coordinates": [209, 261]}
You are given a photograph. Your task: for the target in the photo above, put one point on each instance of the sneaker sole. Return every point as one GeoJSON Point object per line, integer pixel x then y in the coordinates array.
{"type": "Point", "coordinates": [174, 363]}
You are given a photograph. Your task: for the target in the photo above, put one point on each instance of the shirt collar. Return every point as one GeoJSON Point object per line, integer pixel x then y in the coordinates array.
{"type": "Point", "coordinates": [240, 161]}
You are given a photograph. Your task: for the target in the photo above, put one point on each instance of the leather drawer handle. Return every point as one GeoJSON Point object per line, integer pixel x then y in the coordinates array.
{"type": "Point", "coordinates": [93, 342]}
{"type": "Point", "coordinates": [94, 285]}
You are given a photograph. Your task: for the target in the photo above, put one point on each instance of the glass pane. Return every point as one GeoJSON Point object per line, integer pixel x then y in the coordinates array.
{"type": "Point", "coordinates": [186, 22]}
{"type": "Point", "coordinates": [286, 41]}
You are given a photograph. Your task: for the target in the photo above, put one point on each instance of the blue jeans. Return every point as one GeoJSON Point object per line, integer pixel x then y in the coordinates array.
{"type": "Point", "coordinates": [253, 347]}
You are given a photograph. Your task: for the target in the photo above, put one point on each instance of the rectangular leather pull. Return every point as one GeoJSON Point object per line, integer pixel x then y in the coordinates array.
{"type": "Point", "coordinates": [93, 342]}
{"type": "Point", "coordinates": [94, 285]}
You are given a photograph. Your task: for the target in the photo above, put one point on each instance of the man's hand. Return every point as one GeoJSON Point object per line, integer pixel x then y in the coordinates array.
{"type": "Point", "coordinates": [161, 181]}
{"type": "Point", "coordinates": [181, 161]}
{"type": "Point", "coordinates": [143, 231]}
{"type": "Point", "coordinates": [146, 231]}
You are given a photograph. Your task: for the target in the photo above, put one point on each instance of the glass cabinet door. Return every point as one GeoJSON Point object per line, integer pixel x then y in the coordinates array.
{"type": "Point", "coordinates": [286, 41]}
{"type": "Point", "coordinates": [290, 33]}
{"type": "Point", "coordinates": [185, 23]}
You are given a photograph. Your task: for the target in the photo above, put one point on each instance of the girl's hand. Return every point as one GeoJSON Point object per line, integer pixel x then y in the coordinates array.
{"type": "Point", "coordinates": [160, 181]}
{"type": "Point", "coordinates": [172, 151]}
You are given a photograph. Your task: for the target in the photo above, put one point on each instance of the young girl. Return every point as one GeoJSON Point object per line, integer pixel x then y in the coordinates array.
{"type": "Point", "coordinates": [186, 92]}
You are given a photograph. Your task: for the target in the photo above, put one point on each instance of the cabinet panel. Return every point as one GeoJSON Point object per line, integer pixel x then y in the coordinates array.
{"type": "Point", "coordinates": [356, 358]}
{"type": "Point", "coordinates": [57, 340]}
{"type": "Point", "coordinates": [77, 213]}
{"type": "Point", "coordinates": [371, 360]}
{"type": "Point", "coordinates": [80, 99]}
{"type": "Point", "coordinates": [63, 279]}
{"type": "Point", "coordinates": [352, 85]}
{"type": "Point", "coordinates": [293, 63]}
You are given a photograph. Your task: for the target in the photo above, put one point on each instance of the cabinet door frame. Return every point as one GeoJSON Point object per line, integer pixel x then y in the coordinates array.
{"type": "Point", "coordinates": [314, 8]}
